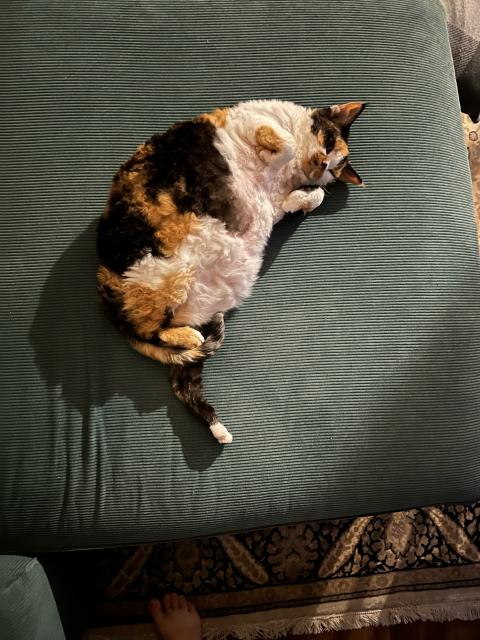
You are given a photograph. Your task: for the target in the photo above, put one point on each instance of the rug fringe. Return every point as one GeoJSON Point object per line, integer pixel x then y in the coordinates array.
{"type": "Point", "coordinates": [269, 630]}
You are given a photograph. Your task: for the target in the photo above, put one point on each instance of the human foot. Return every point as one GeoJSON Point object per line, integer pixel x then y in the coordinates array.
{"type": "Point", "coordinates": [175, 618]}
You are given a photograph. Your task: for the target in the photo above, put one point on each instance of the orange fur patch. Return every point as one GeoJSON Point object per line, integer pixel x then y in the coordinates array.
{"type": "Point", "coordinates": [184, 337]}
{"type": "Point", "coordinates": [164, 354]}
{"type": "Point", "coordinates": [218, 117]}
{"type": "Point", "coordinates": [143, 150]}
{"type": "Point", "coordinates": [172, 233]}
{"type": "Point", "coordinates": [172, 225]}
{"type": "Point", "coordinates": [268, 138]}
{"type": "Point", "coordinates": [341, 146]}
{"type": "Point", "coordinates": [134, 174]}
{"type": "Point", "coordinates": [108, 278]}
{"type": "Point", "coordinates": [145, 307]}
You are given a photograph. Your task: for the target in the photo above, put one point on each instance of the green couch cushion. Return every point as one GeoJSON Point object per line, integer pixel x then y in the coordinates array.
{"type": "Point", "coordinates": [27, 607]}
{"type": "Point", "coordinates": [350, 379]}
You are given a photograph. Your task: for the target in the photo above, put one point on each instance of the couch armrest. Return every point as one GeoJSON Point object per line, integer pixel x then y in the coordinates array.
{"type": "Point", "coordinates": [27, 607]}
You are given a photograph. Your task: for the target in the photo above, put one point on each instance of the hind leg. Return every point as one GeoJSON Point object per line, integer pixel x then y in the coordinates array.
{"type": "Point", "coordinates": [182, 337]}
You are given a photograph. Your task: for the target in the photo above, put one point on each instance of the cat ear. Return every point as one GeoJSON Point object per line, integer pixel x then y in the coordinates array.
{"type": "Point", "coordinates": [348, 174]}
{"type": "Point", "coordinates": [345, 114]}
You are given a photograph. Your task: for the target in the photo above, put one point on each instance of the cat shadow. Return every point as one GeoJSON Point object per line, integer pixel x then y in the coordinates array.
{"type": "Point", "coordinates": [335, 200]}
{"type": "Point", "coordinates": [79, 354]}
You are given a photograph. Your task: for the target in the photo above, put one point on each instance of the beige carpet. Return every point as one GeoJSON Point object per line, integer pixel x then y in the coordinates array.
{"type": "Point", "coordinates": [420, 564]}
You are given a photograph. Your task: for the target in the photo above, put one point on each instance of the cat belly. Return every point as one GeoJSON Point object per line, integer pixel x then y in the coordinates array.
{"type": "Point", "coordinates": [221, 288]}
{"type": "Point", "coordinates": [215, 271]}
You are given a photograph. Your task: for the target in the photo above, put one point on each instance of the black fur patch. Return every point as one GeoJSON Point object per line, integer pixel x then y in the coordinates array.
{"type": "Point", "coordinates": [168, 318]}
{"type": "Point", "coordinates": [329, 140]}
{"type": "Point", "coordinates": [186, 379]}
{"type": "Point", "coordinates": [320, 122]}
{"type": "Point", "coordinates": [113, 307]}
{"type": "Point", "coordinates": [124, 236]}
{"type": "Point", "coordinates": [184, 162]}
{"type": "Point", "coordinates": [187, 385]}
{"type": "Point", "coordinates": [186, 155]}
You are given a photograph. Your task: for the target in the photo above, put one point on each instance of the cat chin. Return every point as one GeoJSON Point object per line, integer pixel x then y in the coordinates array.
{"type": "Point", "coordinates": [327, 178]}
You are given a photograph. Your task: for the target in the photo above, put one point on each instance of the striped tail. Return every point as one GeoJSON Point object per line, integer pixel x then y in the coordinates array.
{"type": "Point", "coordinates": [187, 386]}
{"type": "Point", "coordinates": [186, 380]}
{"type": "Point", "coordinates": [186, 373]}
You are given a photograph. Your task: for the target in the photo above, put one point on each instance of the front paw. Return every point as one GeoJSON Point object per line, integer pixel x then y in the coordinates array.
{"type": "Point", "coordinates": [315, 199]}
{"type": "Point", "coordinates": [303, 200]}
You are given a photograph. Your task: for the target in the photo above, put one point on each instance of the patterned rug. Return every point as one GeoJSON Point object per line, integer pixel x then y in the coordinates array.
{"type": "Point", "coordinates": [420, 564]}
{"type": "Point", "coordinates": [472, 140]}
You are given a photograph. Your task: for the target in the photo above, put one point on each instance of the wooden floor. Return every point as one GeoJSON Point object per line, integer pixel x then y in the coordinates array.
{"type": "Point", "coordinates": [456, 630]}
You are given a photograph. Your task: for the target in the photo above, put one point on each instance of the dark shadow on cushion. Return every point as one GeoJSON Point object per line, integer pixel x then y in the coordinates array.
{"type": "Point", "coordinates": [335, 200]}
{"type": "Point", "coordinates": [79, 351]}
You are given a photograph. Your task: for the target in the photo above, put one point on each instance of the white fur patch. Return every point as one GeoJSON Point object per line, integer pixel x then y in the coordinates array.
{"type": "Point", "coordinates": [221, 433]}
{"type": "Point", "coordinates": [224, 268]}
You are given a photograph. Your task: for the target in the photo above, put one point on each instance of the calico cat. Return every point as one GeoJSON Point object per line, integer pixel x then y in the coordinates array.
{"type": "Point", "coordinates": [182, 237]}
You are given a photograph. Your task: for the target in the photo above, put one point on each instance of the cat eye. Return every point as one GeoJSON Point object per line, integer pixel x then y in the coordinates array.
{"type": "Point", "coordinates": [329, 140]}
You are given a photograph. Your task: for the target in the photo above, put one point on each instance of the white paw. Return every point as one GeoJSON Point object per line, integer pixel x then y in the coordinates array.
{"type": "Point", "coordinates": [197, 336]}
{"type": "Point", "coordinates": [220, 433]}
{"type": "Point", "coordinates": [294, 202]}
{"type": "Point", "coordinates": [303, 200]}
{"type": "Point", "coordinates": [315, 199]}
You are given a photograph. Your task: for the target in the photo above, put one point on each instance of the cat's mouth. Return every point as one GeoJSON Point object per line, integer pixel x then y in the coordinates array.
{"type": "Point", "coordinates": [310, 182]}
{"type": "Point", "coordinates": [310, 185]}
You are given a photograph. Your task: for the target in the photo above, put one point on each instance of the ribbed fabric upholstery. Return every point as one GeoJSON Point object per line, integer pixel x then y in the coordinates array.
{"type": "Point", "coordinates": [27, 607]}
{"type": "Point", "coordinates": [350, 379]}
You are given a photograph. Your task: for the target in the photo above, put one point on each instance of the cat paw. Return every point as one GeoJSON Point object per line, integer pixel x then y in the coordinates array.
{"type": "Point", "coordinates": [195, 338]}
{"type": "Point", "coordinates": [183, 337]}
{"type": "Point", "coordinates": [295, 201]}
{"type": "Point", "coordinates": [222, 435]}
{"type": "Point", "coordinates": [303, 200]}
{"type": "Point", "coordinates": [315, 199]}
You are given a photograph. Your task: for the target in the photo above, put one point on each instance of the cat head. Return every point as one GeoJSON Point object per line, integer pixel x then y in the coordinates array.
{"type": "Point", "coordinates": [329, 160]}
